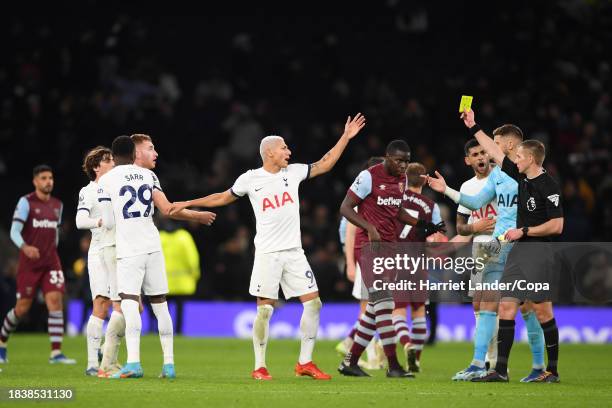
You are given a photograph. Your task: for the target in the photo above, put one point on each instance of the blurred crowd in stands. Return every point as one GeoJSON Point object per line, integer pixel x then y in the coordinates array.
{"type": "Point", "coordinates": [207, 89]}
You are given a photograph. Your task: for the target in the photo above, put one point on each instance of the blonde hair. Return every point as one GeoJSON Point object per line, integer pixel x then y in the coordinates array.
{"type": "Point", "coordinates": [414, 172]}
{"type": "Point", "coordinates": [536, 149]}
{"type": "Point", "coordinates": [509, 130]}
{"type": "Point", "coordinates": [139, 138]}
{"type": "Point", "coordinates": [266, 143]}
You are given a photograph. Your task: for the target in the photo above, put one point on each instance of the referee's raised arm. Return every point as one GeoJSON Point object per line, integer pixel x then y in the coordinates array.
{"type": "Point", "coordinates": [494, 151]}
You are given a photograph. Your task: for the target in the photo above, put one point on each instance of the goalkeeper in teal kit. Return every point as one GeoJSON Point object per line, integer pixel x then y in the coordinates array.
{"type": "Point", "coordinates": [504, 189]}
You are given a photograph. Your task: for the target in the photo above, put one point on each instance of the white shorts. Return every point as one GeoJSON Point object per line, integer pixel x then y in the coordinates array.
{"type": "Point", "coordinates": [142, 274]}
{"type": "Point", "coordinates": [102, 269]}
{"type": "Point", "coordinates": [288, 268]}
{"type": "Point", "coordinates": [359, 288]}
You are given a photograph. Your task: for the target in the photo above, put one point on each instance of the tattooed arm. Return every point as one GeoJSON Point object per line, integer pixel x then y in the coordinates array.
{"type": "Point", "coordinates": [327, 162]}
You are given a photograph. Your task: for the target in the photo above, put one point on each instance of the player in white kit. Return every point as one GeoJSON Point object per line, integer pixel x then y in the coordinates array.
{"type": "Point", "coordinates": [279, 257]}
{"type": "Point", "coordinates": [133, 191]}
{"type": "Point", "coordinates": [146, 157]}
{"type": "Point", "coordinates": [97, 162]}
{"type": "Point", "coordinates": [477, 226]}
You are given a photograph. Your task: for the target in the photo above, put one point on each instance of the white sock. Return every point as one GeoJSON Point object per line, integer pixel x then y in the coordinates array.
{"type": "Point", "coordinates": [115, 331]}
{"type": "Point", "coordinates": [492, 350]}
{"type": "Point", "coordinates": [371, 351]}
{"type": "Point", "coordinates": [166, 331]}
{"type": "Point", "coordinates": [94, 339]}
{"type": "Point", "coordinates": [348, 342]}
{"type": "Point", "coordinates": [261, 329]}
{"type": "Point", "coordinates": [309, 326]}
{"type": "Point", "coordinates": [133, 326]}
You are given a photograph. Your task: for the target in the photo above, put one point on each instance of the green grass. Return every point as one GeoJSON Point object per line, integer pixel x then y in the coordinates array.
{"type": "Point", "coordinates": [215, 373]}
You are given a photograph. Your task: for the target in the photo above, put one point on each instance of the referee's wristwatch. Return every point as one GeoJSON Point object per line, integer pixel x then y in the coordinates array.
{"type": "Point", "coordinates": [525, 231]}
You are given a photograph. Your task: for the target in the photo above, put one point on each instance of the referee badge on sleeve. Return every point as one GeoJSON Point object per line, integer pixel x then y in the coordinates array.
{"type": "Point", "coordinates": [554, 198]}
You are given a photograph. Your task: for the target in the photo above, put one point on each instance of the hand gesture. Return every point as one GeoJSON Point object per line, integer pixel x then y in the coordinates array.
{"type": "Point", "coordinates": [375, 239]}
{"type": "Point", "coordinates": [373, 235]}
{"type": "Point", "coordinates": [430, 228]}
{"type": "Point", "coordinates": [439, 227]}
{"type": "Point", "coordinates": [177, 206]}
{"type": "Point", "coordinates": [206, 217]}
{"type": "Point", "coordinates": [468, 118]}
{"type": "Point", "coordinates": [30, 251]}
{"type": "Point", "coordinates": [514, 234]}
{"type": "Point", "coordinates": [485, 225]}
{"type": "Point", "coordinates": [436, 183]}
{"type": "Point", "coordinates": [352, 127]}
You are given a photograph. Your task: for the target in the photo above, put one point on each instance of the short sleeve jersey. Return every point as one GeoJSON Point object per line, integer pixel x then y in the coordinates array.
{"type": "Point", "coordinates": [420, 207]}
{"type": "Point", "coordinates": [276, 204]}
{"type": "Point", "coordinates": [539, 199]}
{"type": "Point", "coordinates": [379, 196]}
{"type": "Point", "coordinates": [41, 220]}
{"type": "Point", "coordinates": [472, 187]}
{"type": "Point", "coordinates": [502, 187]}
{"type": "Point", "coordinates": [88, 202]}
{"type": "Point", "coordinates": [129, 188]}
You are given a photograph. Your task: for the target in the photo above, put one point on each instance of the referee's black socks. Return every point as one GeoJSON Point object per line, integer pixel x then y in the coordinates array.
{"type": "Point", "coordinates": [551, 337]}
{"type": "Point", "coordinates": [505, 338]}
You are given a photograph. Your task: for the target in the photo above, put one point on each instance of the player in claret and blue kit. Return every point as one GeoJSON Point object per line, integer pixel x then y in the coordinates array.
{"type": "Point", "coordinates": [35, 232]}
{"type": "Point", "coordinates": [378, 193]}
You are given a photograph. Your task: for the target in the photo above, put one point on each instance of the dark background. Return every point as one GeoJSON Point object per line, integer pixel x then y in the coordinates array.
{"type": "Point", "coordinates": [208, 88]}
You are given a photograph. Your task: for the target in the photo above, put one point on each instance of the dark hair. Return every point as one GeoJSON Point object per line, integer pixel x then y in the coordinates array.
{"type": "Point", "coordinates": [414, 172]}
{"type": "Point", "coordinates": [397, 145]}
{"type": "Point", "coordinates": [469, 144]}
{"type": "Point", "coordinates": [373, 161]}
{"type": "Point", "coordinates": [93, 158]}
{"type": "Point", "coordinates": [123, 147]}
{"type": "Point", "coordinates": [536, 148]}
{"type": "Point", "coordinates": [509, 130]}
{"type": "Point", "coordinates": [41, 168]}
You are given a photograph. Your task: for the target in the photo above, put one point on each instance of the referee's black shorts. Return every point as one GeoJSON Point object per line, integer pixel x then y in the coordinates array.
{"type": "Point", "coordinates": [529, 273]}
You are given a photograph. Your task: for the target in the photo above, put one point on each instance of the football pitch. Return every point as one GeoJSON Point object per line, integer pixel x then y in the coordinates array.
{"type": "Point", "coordinates": [215, 373]}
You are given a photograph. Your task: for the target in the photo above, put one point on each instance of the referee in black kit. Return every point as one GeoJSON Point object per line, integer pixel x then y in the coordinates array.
{"type": "Point", "coordinates": [539, 217]}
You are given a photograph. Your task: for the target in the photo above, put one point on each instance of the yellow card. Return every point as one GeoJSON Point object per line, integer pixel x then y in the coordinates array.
{"type": "Point", "coordinates": [466, 103]}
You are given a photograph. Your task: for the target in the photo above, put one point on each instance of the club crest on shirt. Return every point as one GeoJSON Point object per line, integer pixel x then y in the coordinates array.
{"type": "Point", "coordinates": [401, 187]}
{"type": "Point", "coordinates": [37, 210]}
{"type": "Point", "coordinates": [531, 204]}
{"type": "Point", "coordinates": [554, 198]}
{"type": "Point", "coordinates": [382, 186]}
{"type": "Point", "coordinates": [57, 212]}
